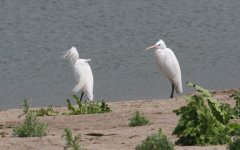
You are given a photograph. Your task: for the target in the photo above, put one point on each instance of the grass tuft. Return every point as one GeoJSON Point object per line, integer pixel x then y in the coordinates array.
{"type": "Point", "coordinates": [49, 111]}
{"type": "Point", "coordinates": [31, 127]}
{"type": "Point", "coordinates": [157, 141]}
{"type": "Point", "coordinates": [87, 107]}
{"type": "Point", "coordinates": [41, 112]}
{"type": "Point", "coordinates": [137, 120]}
{"type": "Point", "coordinates": [71, 141]}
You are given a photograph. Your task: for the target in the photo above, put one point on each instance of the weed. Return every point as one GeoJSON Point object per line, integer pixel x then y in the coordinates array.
{"type": "Point", "coordinates": [72, 141]}
{"type": "Point", "coordinates": [236, 109]}
{"type": "Point", "coordinates": [25, 107]}
{"type": "Point", "coordinates": [235, 144]}
{"type": "Point", "coordinates": [157, 141]}
{"type": "Point", "coordinates": [204, 120]}
{"type": "Point", "coordinates": [236, 96]}
{"type": "Point", "coordinates": [87, 107]}
{"type": "Point", "coordinates": [41, 112]}
{"type": "Point", "coordinates": [31, 127]}
{"type": "Point", "coordinates": [137, 120]}
{"type": "Point", "coordinates": [46, 112]}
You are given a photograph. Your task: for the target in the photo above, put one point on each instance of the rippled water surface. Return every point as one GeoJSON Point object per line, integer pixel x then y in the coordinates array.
{"type": "Point", "coordinates": [204, 35]}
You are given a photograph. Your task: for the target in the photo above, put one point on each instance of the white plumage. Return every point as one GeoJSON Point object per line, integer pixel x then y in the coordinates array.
{"type": "Point", "coordinates": [82, 72]}
{"type": "Point", "coordinates": [169, 65]}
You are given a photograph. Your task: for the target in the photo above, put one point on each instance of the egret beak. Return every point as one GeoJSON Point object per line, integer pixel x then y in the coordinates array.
{"type": "Point", "coordinates": [150, 47]}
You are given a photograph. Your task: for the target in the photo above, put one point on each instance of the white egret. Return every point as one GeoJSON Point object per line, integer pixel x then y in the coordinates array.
{"type": "Point", "coordinates": [82, 72]}
{"type": "Point", "coordinates": [168, 64]}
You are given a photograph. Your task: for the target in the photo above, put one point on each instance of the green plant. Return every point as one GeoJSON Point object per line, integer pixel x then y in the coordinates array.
{"type": "Point", "coordinates": [204, 120]}
{"type": "Point", "coordinates": [235, 144]}
{"type": "Point", "coordinates": [137, 120]}
{"type": "Point", "coordinates": [25, 107]}
{"type": "Point", "coordinates": [72, 141]}
{"type": "Point", "coordinates": [236, 97]}
{"type": "Point", "coordinates": [41, 112]}
{"type": "Point", "coordinates": [87, 107]}
{"type": "Point", "coordinates": [31, 127]}
{"type": "Point", "coordinates": [156, 141]}
{"type": "Point", "coordinates": [49, 111]}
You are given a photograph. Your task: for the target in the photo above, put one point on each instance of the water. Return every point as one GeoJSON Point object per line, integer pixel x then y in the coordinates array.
{"type": "Point", "coordinates": [203, 34]}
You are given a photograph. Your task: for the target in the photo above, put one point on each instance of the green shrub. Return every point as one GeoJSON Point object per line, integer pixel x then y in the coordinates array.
{"type": "Point", "coordinates": [204, 120]}
{"type": "Point", "coordinates": [236, 109]}
{"type": "Point", "coordinates": [137, 120]}
{"type": "Point", "coordinates": [88, 107]}
{"type": "Point", "coordinates": [236, 96]}
{"type": "Point", "coordinates": [72, 141]}
{"type": "Point", "coordinates": [235, 144]}
{"type": "Point", "coordinates": [156, 141]}
{"type": "Point", "coordinates": [30, 127]}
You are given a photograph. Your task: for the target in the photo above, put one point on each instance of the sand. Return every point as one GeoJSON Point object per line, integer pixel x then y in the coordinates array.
{"type": "Point", "coordinates": [115, 134]}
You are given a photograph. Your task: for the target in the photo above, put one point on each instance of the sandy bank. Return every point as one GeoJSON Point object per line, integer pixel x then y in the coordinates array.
{"type": "Point", "coordinates": [114, 126]}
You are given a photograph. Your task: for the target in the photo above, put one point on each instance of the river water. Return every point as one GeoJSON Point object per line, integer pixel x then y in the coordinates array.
{"type": "Point", "coordinates": [204, 34]}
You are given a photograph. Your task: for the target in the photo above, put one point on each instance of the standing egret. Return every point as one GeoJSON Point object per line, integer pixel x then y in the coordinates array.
{"type": "Point", "coordinates": [168, 64]}
{"type": "Point", "coordinates": [82, 72]}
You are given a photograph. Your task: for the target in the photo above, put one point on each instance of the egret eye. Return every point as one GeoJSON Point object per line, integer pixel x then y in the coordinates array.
{"type": "Point", "coordinates": [158, 44]}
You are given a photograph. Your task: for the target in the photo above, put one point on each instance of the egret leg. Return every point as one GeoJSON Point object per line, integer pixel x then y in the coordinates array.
{"type": "Point", "coordinates": [172, 91]}
{"type": "Point", "coordinates": [81, 96]}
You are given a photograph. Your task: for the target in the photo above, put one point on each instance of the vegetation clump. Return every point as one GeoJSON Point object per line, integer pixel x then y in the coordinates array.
{"type": "Point", "coordinates": [31, 127]}
{"type": "Point", "coordinates": [137, 120]}
{"type": "Point", "coordinates": [41, 112]}
{"type": "Point", "coordinates": [72, 141]}
{"type": "Point", "coordinates": [87, 107]}
{"type": "Point", "coordinates": [235, 144]}
{"type": "Point", "coordinates": [204, 121]}
{"type": "Point", "coordinates": [236, 109]}
{"type": "Point", "coordinates": [49, 111]}
{"type": "Point", "coordinates": [157, 141]}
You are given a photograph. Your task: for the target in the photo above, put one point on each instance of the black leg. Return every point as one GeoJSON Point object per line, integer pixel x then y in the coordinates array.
{"type": "Point", "coordinates": [172, 91]}
{"type": "Point", "coordinates": [81, 96]}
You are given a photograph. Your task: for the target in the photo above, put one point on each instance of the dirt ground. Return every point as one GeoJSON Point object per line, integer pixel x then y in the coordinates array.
{"type": "Point", "coordinates": [113, 126]}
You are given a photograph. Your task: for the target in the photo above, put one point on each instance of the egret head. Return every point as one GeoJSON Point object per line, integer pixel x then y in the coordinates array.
{"type": "Point", "coordinates": [159, 45]}
{"type": "Point", "coordinates": [71, 54]}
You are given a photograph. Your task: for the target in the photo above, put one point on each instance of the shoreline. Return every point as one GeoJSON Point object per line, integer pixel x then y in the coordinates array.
{"type": "Point", "coordinates": [117, 135]}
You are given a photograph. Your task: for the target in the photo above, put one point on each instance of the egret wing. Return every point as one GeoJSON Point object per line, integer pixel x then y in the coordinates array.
{"type": "Point", "coordinates": [83, 73]}
{"type": "Point", "coordinates": [169, 65]}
